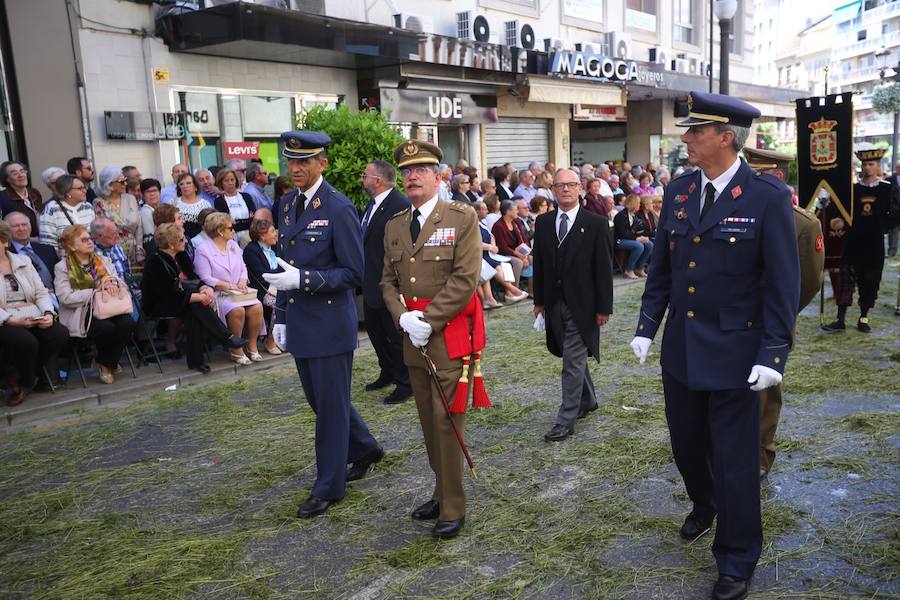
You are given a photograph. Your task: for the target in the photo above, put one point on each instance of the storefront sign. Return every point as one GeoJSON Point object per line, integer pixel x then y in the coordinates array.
{"type": "Point", "coordinates": [610, 114]}
{"type": "Point", "coordinates": [416, 106]}
{"type": "Point", "coordinates": [584, 65]}
{"type": "Point", "coordinates": [144, 126]}
{"type": "Point", "coordinates": [243, 150]}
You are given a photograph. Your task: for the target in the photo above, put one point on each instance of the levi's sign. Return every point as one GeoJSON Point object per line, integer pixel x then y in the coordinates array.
{"type": "Point", "coordinates": [241, 150]}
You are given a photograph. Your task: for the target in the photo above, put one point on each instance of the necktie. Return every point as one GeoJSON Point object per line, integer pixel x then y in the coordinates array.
{"type": "Point", "coordinates": [414, 226]}
{"type": "Point", "coordinates": [708, 201]}
{"type": "Point", "coordinates": [42, 269]}
{"type": "Point", "coordinates": [368, 215]}
{"type": "Point", "coordinates": [301, 204]}
{"type": "Point", "coordinates": [563, 226]}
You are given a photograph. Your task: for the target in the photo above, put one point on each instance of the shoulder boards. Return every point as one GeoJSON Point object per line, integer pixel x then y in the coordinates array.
{"type": "Point", "coordinates": [460, 206]}
{"type": "Point", "coordinates": [397, 214]}
{"type": "Point", "coordinates": [771, 180]}
{"type": "Point", "coordinates": [804, 213]}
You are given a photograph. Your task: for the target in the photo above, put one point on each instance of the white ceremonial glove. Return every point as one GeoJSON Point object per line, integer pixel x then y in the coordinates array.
{"type": "Point", "coordinates": [289, 280]}
{"type": "Point", "coordinates": [762, 377]}
{"type": "Point", "coordinates": [418, 341]}
{"type": "Point", "coordinates": [641, 347]}
{"type": "Point", "coordinates": [279, 333]}
{"type": "Point", "coordinates": [413, 323]}
{"type": "Point", "coordinates": [539, 324]}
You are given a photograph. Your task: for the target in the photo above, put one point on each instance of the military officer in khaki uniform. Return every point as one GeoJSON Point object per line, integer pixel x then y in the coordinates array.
{"type": "Point", "coordinates": [432, 261]}
{"type": "Point", "coordinates": [811, 245]}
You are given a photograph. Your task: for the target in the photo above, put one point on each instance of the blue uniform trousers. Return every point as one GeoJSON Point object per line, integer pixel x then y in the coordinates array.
{"type": "Point", "coordinates": [715, 440]}
{"type": "Point", "coordinates": [341, 434]}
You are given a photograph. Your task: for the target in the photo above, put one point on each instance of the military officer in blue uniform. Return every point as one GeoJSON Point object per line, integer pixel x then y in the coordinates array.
{"type": "Point", "coordinates": [725, 265]}
{"type": "Point", "coordinates": [320, 249]}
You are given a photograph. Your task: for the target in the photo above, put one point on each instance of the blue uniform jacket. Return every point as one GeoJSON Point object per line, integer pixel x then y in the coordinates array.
{"type": "Point", "coordinates": [731, 282]}
{"type": "Point", "coordinates": [326, 245]}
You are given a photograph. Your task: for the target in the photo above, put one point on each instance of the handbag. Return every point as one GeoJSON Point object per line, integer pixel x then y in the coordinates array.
{"type": "Point", "coordinates": [270, 297]}
{"type": "Point", "coordinates": [236, 296]}
{"type": "Point", "coordinates": [108, 304]}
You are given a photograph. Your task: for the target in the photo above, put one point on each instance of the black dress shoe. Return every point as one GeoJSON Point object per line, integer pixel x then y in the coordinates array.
{"type": "Point", "coordinates": [203, 369]}
{"type": "Point", "coordinates": [695, 526]}
{"type": "Point", "coordinates": [235, 341]}
{"type": "Point", "coordinates": [730, 588]}
{"type": "Point", "coordinates": [382, 381]}
{"type": "Point", "coordinates": [834, 326]}
{"type": "Point", "coordinates": [401, 393]}
{"type": "Point", "coordinates": [448, 529]}
{"type": "Point", "coordinates": [358, 469]}
{"type": "Point", "coordinates": [559, 433]}
{"type": "Point", "coordinates": [426, 512]}
{"type": "Point", "coordinates": [863, 325]}
{"type": "Point", "coordinates": [313, 507]}
{"type": "Point", "coordinates": [585, 411]}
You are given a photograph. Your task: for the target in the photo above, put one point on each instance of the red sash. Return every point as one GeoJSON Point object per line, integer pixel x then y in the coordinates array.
{"type": "Point", "coordinates": [465, 338]}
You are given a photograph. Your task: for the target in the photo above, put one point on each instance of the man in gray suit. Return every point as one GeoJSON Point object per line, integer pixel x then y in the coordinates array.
{"type": "Point", "coordinates": [573, 290]}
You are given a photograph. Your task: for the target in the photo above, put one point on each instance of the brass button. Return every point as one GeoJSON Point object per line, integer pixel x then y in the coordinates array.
{"type": "Point", "coordinates": [306, 272]}
{"type": "Point", "coordinates": [306, 281]}
{"type": "Point", "coordinates": [412, 279]}
{"type": "Point", "coordinates": [293, 242]}
{"type": "Point", "coordinates": [690, 314]}
{"type": "Point", "coordinates": [641, 326]}
{"type": "Point", "coordinates": [691, 290]}
{"type": "Point", "coordinates": [415, 298]}
{"type": "Point", "coordinates": [290, 300]}
{"type": "Point", "coordinates": [732, 239]}
{"type": "Point", "coordinates": [692, 265]}
{"type": "Point", "coordinates": [437, 258]}
{"type": "Point", "coordinates": [329, 302]}
{"type": "Point", "coordinates": [412, 259]}
{"type": "Point", "coordinates": [312, 239]}
{"type": "Point", "coordinates": [291, 261]}
{"type": "Point", "coordinates": [777, 359]}
{"type": "Point", "coordinates": [749, 323]}
{"type": "Point", "coordinates": [696, 239]}
{"type": "Point", "coordinates": [305, 289]}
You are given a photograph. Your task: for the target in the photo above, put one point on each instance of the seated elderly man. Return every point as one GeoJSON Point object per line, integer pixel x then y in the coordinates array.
{"type": "Point", "coordinates": [207, 181]}
{"type": "Point", "coordinates": [105, 235]}
{"type": "Point", "coordinates": [42, 256]}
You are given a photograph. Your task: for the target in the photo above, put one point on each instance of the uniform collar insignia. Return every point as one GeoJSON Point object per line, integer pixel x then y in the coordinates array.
{"type": "Point", "coordinates": [316, 203]}
{"type": "Point", "coordinates": [692, 188]}
{"type": "Point", "coordinates": [736, 191]}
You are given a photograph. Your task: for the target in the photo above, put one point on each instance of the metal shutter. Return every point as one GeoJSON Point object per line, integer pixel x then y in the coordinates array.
{"type": "Point", "coordinates": [518, 141]}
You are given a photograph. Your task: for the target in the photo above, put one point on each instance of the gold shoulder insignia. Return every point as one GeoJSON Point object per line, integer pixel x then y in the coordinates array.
{"type": "Point", "coordinates": [805, 213]}
{"type": "Point", "coordinates": [397, 214]}
{"type": "Point", "coordinates": [460, 206]}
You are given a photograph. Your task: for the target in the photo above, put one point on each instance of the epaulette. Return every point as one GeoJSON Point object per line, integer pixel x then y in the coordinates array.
{"type": "Point", "coordinates": [808, 215]}
{"type": "Point", "coordinates": [397, 214]}
{"type": "Point", "coordinates": [771, 180]}
{"type": "Point", "coordinates": [460, 206]}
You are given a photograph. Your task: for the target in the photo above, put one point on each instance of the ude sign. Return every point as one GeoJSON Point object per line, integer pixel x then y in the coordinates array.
{"type": "Point", "coordinates": [417, 106]}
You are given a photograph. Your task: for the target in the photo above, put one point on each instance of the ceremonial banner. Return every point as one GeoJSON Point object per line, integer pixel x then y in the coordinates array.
{"type": "Point", "coordinates": [825, 151]}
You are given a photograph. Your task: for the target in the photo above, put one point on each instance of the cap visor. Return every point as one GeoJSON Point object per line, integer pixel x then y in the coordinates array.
{"type": "Point", "coordinates": [691, 121]}
{"type": "Point", "coordinates": [418, 161]}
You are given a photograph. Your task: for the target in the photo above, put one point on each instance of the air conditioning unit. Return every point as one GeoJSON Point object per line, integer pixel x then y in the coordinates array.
{"type": "Point", "coordinates": [518, 34]}
{"type": "Point", "coordinates": [412, 22]}
{"type": "Point", "coordinates": [472, 26]}
{"type": "Point", "coordinates": [694, 65]}
{"type": "Point", "coordinates": [619, 45]}
{"type": "Point", "coordinates": [680, 64]}
{"type": "Point", "coordinates": [659, 55]}
{"type": "Point", "coordinates": [556, 45]}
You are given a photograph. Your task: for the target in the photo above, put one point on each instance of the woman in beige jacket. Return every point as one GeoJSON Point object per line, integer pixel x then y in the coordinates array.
{"type": "Point", "coordinates": [29, 333]}
{"type": "Point", "coordinates": [78, 275]}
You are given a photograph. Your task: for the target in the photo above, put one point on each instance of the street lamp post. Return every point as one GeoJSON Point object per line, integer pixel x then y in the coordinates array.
{"type": "Point", "coordinates": [882, 74]}
{"type": "Point", "coordinates": [725, 11]}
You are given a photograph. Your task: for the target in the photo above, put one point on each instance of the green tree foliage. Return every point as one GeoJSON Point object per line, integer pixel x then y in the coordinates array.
{"type": "Point", "coordinates": [886, 98]}
{"type": "Point", "coordinates": [357, 138]}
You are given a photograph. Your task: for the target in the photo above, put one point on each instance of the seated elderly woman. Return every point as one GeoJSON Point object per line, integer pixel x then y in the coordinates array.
{"type": "Point", "coordinates": [220, 265]}
{"type": "Point", "coordinates": [171, 288]}
{"type": "Point", "coordinates": [259, 256]}
{"type": "Point", "coordinates": [29, 335]}
{"type": "Point", "coordinates": [79, 276]}
{"type": "Point", "coordinates": [511, 238]}
{"type": "Point", "coordinates": [120, 207]}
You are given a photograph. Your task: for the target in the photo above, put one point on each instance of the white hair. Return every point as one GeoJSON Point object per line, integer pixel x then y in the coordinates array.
{"type": "Point", "coordinates": [107, 175]}
{"type": "Point", "coordinates": [740, 134]}
{"type": "Point", "coordinates": [50, 172]}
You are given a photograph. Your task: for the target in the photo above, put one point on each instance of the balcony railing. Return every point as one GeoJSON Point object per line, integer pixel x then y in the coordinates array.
{"type": "Point", "coordinates": [856, 75]}
{"type": "Point", "coordinates": [871, 45]}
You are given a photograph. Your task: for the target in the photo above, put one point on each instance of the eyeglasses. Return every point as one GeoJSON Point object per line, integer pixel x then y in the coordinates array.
{"type": "Point", "coordinates": [241, 170]}
{"type": "Point", "coordinates": [364, 175]}
{"type": "Point", "coordinates": [17, 172]}
{"type": "Point", "coordinates": [84, 239]}
{"type": "Point", "coordinates": [229, 228]}
{"type": "Point", "coordinates": [419, 170]}
{"type": "Point", "coordinates": [119, 181]}
{"type": "Point", "coordinates": [568, 184]}
{"type": "Point", "coordinates": [80, 188]}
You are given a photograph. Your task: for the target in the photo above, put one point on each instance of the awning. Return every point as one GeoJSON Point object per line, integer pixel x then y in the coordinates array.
{"type": "Point", "coordinates": [846, 12]}
{"type": "Point", "coordinates": [569, 92]}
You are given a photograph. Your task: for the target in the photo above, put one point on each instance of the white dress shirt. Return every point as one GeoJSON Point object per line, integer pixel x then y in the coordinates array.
{"type": "Point", "coordinates": [721, 182]}
{"type": "Point", "coordinates": [311, 192]}
{"type": "Point", "coordinates": [425, 210]}
{"type": "Point", "coordinates": [569, 213]}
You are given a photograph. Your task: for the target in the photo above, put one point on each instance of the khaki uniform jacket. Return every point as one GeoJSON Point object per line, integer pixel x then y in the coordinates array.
{"type": "Point", "coordinates": [812, 255]}
{"type": "Point", "coordinates": [436, 268]}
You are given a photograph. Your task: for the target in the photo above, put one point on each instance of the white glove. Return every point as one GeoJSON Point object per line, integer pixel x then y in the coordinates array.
{"type": "Point", "coordinates": [289, 280]}
{"type": "Point", "coordinates": [539, 323]}
{"type": "Point", "coordinates": [641, 347]}
{"type": "Point", "coordinates": [414, 323]}
{"type": "Point", "coordinates": [418, 341]}
{"type": "Point", "coordinates": [762, 377]}
{"type": "Point", "coordinates": [279, 333]}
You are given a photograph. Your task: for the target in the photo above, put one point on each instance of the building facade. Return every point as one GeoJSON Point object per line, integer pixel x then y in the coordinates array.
{"type": "Point", "coordinates": [491, 81]}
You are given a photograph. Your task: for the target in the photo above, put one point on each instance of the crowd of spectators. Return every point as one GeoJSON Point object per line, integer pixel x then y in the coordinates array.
{"type": "Point", "coordinates": [109, 255]}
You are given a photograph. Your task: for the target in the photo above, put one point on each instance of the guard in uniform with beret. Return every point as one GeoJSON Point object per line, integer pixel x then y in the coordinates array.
{"type": "Point", "coordinates": [726, 267]}
{"type": "Point", "coordinates": [811, 246]}
{"type": "Point", "coordinates": [863, 251]}
{"type": "Point", "coordinates": [320, 249]}
{"type": "Point", "coordinates": [432, 260]}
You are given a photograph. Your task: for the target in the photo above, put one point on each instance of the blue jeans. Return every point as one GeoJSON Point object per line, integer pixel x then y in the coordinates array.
{"type": "Point", "coordinates": [638, 254]}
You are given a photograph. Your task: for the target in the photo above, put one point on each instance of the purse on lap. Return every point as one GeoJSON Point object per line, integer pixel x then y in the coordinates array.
{"type": "Point", "coordinates": [108, 304]}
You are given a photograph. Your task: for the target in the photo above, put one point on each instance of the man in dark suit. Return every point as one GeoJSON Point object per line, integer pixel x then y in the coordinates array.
{"type": "Point", "coordinates": [573, 290]}
{"type": "Point", "coordinates": [43, 256]}
{"type": "Point", "coordinates": [379, 180]}
{"type": "Point", "coordinates": [320, 244]}
{"type": "Point", "coordinates": [725, 265]}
